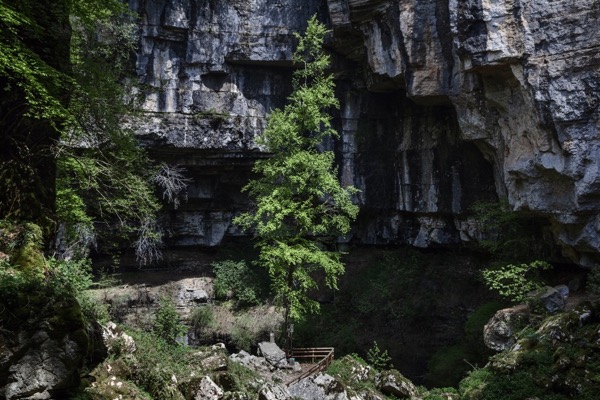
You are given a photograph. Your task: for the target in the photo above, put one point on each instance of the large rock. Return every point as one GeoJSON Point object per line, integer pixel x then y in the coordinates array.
{"type": "Point", "coordinates": [46, 349]}
{"type": "Point", "coordinates": [319, 387]}
{"type": "Point", "coordinates": [393, 383]}
{"type": "Point", "coordinates": [273, 392]}
{"type": "Point", "coordinates": [257, 363]}
{"type": "Point", "coordinates": [548, 300]}
{"type": "Point", "coordinates": [273, 354]}
{"type": "Point", "coordinates": [208, 390]}
{"type": "Point", "coordinates": [499, 333]}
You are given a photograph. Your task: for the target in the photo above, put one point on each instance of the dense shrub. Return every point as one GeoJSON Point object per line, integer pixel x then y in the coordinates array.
{"type": "Point", "coordinates": [167, 324]}
{"type": "Point", "coordinates": [514, 281]}
{"type": "Point", "coordinates": [238, 280]}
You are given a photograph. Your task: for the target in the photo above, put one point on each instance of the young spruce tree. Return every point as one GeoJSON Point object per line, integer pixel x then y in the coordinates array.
{"type": "Point", "coordinates": [298, 198]}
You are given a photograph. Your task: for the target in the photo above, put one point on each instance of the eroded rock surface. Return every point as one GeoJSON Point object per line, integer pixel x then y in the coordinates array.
{"type": "Point", "coordinates": [42, 349]}
{"type": "Point", "coordinates": [443, 104]}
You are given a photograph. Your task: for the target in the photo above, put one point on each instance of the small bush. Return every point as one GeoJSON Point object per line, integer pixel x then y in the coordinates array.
{"type": "Point", "coordinates": [379, 359]}
{"type": "Point", "coordinates": [244, 379]}
{"type": "Point", "coordinates": [202, 319]}
{"type": "Point", "coordinates": [514, 281]}
{"type": "Point", "coordinates": [70, 277]}
{"type": "Point", "coordinates": [238, 280]}
{"type": "Point", "coordinates": [154, 364]}
{"type": "Point", "coordinates": [166, 324]}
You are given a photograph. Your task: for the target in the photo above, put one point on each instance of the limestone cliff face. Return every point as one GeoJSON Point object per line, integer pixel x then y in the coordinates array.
{"type": "Point", "coordinates": [523, 80]}
{"type": "Point", "coordinates": [444, 103]}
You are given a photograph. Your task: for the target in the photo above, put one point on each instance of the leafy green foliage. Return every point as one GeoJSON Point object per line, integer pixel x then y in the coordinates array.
{"type": "Point", "coordinates": [155, 362]}
{"type": "Point", "coordinates": [298, 197]}
{"type": "Point", "coordinates": [63, 66]}
{"type": "Point", "coordinates": [379, 359]}
{"type": "Point", "coordinates": [202, 319]}
{"type": "Point", "coordinates": [104, 183]}
{"type": "Point", "coordinates": [24, 270]}
{"type": "Point", "coordinates": [238, 280]}
{"type": "Point", "coordinates": [167, 324]}
{"type": "Point", "coordinates": [514, 281]}
{"type": "Point", "coordinates": [48, 80]}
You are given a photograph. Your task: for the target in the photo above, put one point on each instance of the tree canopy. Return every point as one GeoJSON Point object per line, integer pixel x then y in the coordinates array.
{"type": "Point", "coordinates": [65, 155]}
{"type": "Point", "coordinates": [300, 206]}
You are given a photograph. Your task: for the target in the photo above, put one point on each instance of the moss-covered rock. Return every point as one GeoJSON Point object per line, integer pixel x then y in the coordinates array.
{"type": "Point", "coordinates": [43, 354]}
{"type": "Point", "coordinates": [557, 359]}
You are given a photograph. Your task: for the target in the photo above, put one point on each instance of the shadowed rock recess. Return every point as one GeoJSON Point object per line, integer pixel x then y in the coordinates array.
{"type": "Point", "coordinates": [443, 103]}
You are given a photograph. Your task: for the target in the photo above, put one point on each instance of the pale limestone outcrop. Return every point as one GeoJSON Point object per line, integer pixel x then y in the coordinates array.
{"type": "Point", "coordinates": [523, 79]}
{"type": "Point", "coordinates": [444, 103]}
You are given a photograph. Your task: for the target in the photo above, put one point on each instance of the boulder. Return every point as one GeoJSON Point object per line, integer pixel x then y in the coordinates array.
{"type": "Point", "coordinates": [114, 337]}
{"type": "Point", "coordinates": [250, 361]}
{"type": "Point", "coordinates": [191, 291]}
{"type": "Point", "coordinates": [395, 384]}
{"type": "Point", "coordinates": [45, 351]}
{"type": "Point", "coordinates": [208, 390]}
{"type": "Point", "coordinates": [273, 392]}
{"type": "Point", "coordinates": [273, 354]}
{"type": "Point", "coordinates": [319, 387]}
{"type": "Point", "coordinates": [499, 332]}
{"type": "Point", "coordinates": [548, 300]}
{"type": "Point", "coordinates": [215, 362]}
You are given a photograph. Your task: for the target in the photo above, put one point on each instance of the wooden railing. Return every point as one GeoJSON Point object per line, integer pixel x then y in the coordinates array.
{"type": "Point", "coordinates": [323, 354]}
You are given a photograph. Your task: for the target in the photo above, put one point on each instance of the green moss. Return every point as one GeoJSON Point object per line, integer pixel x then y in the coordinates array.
{"type": "Point", "coordinates": [448, 366]}
{"type": "Point", "coordinates": [558, 360]}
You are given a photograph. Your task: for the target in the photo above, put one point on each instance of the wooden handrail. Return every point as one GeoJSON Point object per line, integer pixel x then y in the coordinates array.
{"type": "Point", "coordinates": [326, 353]}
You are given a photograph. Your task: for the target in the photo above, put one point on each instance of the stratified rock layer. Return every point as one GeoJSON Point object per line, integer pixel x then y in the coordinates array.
{"type": "Point", "coordinates": [444, 103]}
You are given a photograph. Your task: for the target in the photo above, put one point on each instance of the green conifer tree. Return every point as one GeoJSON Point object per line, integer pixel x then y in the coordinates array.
{"type": "Point", "coordinates": [299, 201]}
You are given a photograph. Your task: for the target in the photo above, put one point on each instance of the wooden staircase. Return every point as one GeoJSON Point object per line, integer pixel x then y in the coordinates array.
{"type": "Point", "coordinates": [321, 357]}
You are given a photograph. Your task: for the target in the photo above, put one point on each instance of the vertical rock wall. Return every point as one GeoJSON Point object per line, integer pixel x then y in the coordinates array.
{"type": "Point", "coordinates": [444, 103]}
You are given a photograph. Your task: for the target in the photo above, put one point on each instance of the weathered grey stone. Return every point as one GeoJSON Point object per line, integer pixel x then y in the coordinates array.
{"type": "Point", "coordinates": [393, 383]}
{"type": "Point", "coordinates": [499, 332]}
{"type": "Point", "coordinates": [273, 354]}
{"type": "Point", "coordinates": [257, 363]}
{"type": "Point", "coordinates": [43, 357]}
{"type": "Point", "coordinates": [563, 290]}
{"type": "Point", "coordinates": [273, 392]}
{"type": "Point", "coordinates": [215, 362]}
{"type": "Point", "coordinates": [442, 104]}
{"type": "Point", "coordinates": [547, 299]}
{"type": "Point", "coordinates": [208, 390]}
{"type": "Point", "coordinates": [319, 387]}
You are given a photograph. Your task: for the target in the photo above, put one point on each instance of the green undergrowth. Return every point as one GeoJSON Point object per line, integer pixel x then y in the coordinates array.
{"type": "Point", "coordinates": [160, 369]}
{"type": "Point", "coordinates": [557, 359]}
{"type": "Point", "coordinates": [392, 297]}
